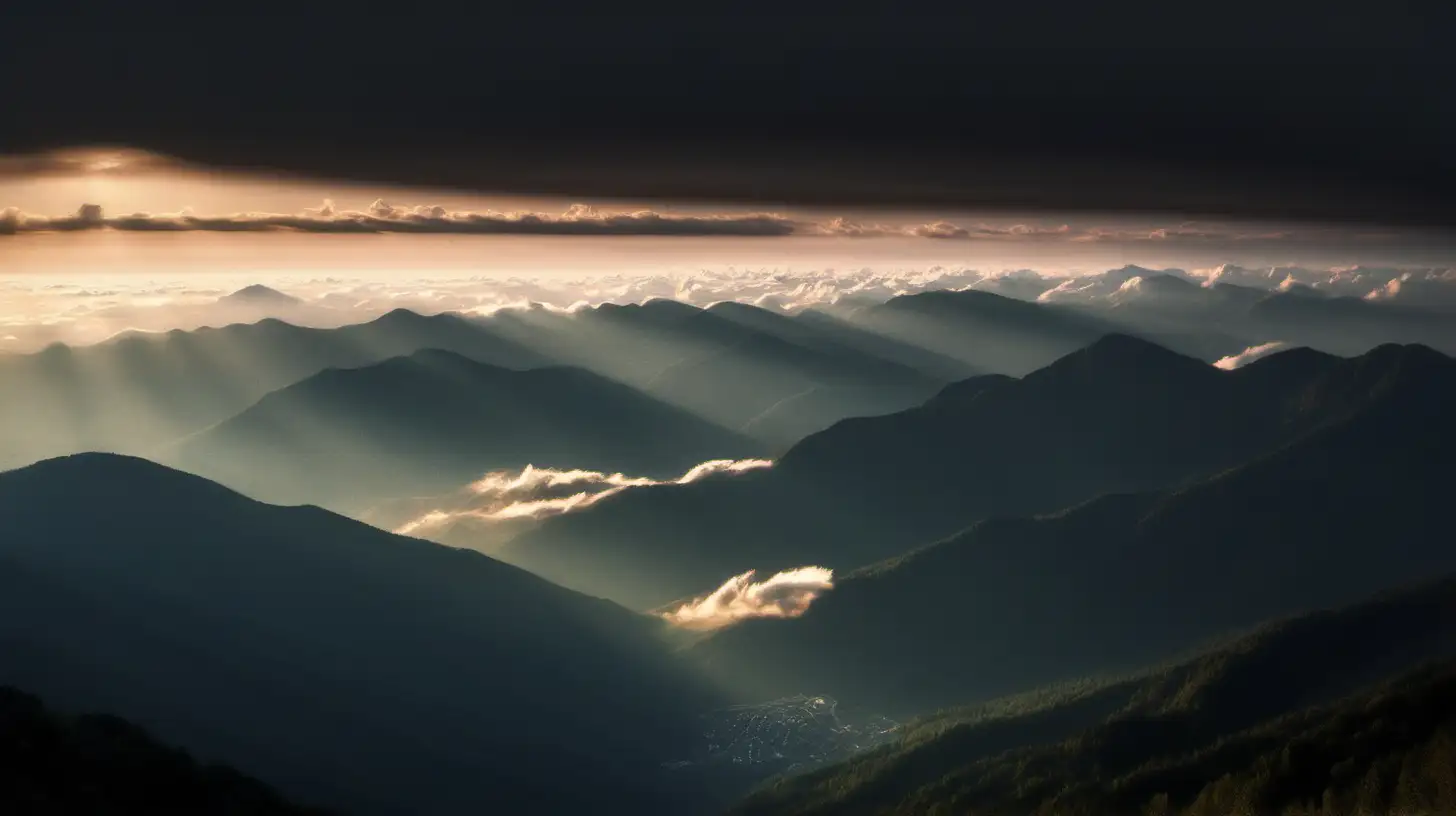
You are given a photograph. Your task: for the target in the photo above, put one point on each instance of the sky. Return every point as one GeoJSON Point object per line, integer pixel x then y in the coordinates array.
{"type": "Point", "coordinates": [163, 239]}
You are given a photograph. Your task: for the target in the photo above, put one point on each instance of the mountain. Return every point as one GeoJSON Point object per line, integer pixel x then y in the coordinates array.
{"type": "Point", "coordinates": [1118, 415]}
{"type": "Point", "coordinates": [989, 332]}
{"type": "Point", "coordinates": [436, 420]}
{"type": "Point", "coordinates": [342, 664]}
{"type": "Point", "coordinates": [140, 391]}
{"type": "Point", "coordinates": [748, 369]}
{"type": "Point", "coordinates": [260, 295]}
{"type": "Point", "coordinates": [94, 763]}
{"type": "Point", "coordinates": [1208, 320]}
{"type": "Point", "coordinates": [1286, 710]}
{"type": "Point", "coordinates": [1347, 509]}
{"type": "Point", "coordinates": [1345, 325]}
{"type": "Point", "coordinates": [787, 382]}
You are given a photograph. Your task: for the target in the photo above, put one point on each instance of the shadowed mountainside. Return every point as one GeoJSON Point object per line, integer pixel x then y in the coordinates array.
{"type": "Point", "coordinates": [1113, 745]}
{"type": "Point", "coordinates": [1127, 579]}
{"type": "Point", "coordinates": [1116, 416]}
{"type": "Point", "coordinates": [139, 391]}
{"type": "Point", "coordinates": [96, 763]}
{"type": "Point", "coordinates": [344, 665]}
{"type": "Point", "coordinates": [436, 420]}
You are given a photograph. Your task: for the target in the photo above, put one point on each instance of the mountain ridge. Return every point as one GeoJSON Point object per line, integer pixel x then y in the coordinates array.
{"type": "Point", "coordinates": [343, 664]}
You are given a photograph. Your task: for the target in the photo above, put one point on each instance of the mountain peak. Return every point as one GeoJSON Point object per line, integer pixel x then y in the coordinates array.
{"type": "Point", "coordinates": [1118, 347]}
{"type": "Point", "coordinates": [401, 317]}
{"type": "Point", "coordinates": [259, 294]}
{"type": "Point", "coordinates": [1290, 362]}
{"type": "Point", "coordinates": [1124, 357]}
{"type": "Point", "coordinates": [435, 356]}
{"type": "Point", "coordinates": [1413, 357]}
{"type": "Point", "coordinates": [64, 479]}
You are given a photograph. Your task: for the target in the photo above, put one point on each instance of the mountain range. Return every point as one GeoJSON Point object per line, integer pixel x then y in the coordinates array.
{"type": "Point", "coordinates": [435, 420]}
{"type": "Point", "coordinates": [1127, 578]}
{"type": "Point", "coordinates": [1116, 416]}
{"type": "Point", "coordinates": [1082, 567]}
{"type": "Point", "coordinates": [773, 376]}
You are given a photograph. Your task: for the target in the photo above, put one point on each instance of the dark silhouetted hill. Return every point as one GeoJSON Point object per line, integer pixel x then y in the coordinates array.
{"type": "Point", "coordinates": [53, 763]}
{"type": "Point", "coordinates": [339, 663]}
{"type": "Point", "coordinates": [1120, 415]}
{"type": "Point", "coordinates": [1349, 508]}
{"type": "Point", "coordinates": [435, 420]}
{"type": "Point", "coordinates": [1270, 710]}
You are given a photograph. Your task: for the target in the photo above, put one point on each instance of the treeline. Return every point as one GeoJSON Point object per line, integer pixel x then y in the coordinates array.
{"type": "Point", "coordinates": [1391, 751]}
{"type": "Point", "coordinates": [1343, 711]}
{"type": "Point", "coordinates": [99, 764]}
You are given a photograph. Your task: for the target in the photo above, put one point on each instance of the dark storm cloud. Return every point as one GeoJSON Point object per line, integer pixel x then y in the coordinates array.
{"type": "Point", "coordinates": [382, 217]}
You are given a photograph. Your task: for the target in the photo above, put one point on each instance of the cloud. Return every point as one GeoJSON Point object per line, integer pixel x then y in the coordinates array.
{"type": "Point", "coordinates": [580, 219]}
{"type": "Point", "coordinates": [383, 217]}
{"type": "Point", "coordinates": [1249, 355]}
{"type": "Point", "coordinates": [39, 310]}
{"type": "Point", "coordinates": [533, 493]}
{"type": "Point", "coordinates": [1103, 285]}
{"type": "Point", "coordinates": [787, 594]}
{"type": "Point", "coordinates": [85, 162]}
{"type": "Point", "coordinates": [944, 230]}
{"type": "Point", "coordinates": [1188, 232]}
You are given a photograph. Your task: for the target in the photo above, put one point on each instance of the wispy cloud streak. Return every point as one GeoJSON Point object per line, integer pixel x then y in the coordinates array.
{"type": "Point", "coordinates": [1249, 355]}
{"type": "Point", "coordinates": [536, 493]}
{"type": "Point", "coordinates": [787, 594]}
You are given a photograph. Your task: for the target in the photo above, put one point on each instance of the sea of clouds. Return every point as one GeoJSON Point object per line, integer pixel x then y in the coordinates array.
{"type": "Point", "coordinates": [37, 310]}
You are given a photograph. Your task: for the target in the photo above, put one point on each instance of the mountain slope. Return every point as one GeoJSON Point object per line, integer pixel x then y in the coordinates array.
{"type": "Point", "coordinates": [1116, 744]}
{"type": "Point", "coordinates": [782, 384]}
{"type": "Point", "coordinates": [139, 391]}
{"type": "Point", "coordinates": [1163, 306]}
{"type": "Point", "coordinates": [345, 665]}
{"type": "Point", "coordinates": [740, 366]}
{"type": "Point", "coordinates": [1116, 416]}
{"type": "Point", "coordinates": [101, 764]}
{"type": "Point", "coordinates": [1344, 511]}
{"type": "Point", "coordinates": [989, 332]}
{"type": "Point", "coordinates": [435, 420]}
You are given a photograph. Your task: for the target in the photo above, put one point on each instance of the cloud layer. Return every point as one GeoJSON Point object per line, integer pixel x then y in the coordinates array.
{"type": "Point", "coordinates": [581, 219]}
{"type": "Point", "coordinates": [382, 217]}
{"type": "Point", "coordinates": [37, 310]}
{"type": "Point", "coordinates": [787, 594]}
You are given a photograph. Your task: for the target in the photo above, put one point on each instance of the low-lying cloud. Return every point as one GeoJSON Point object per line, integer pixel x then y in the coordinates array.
{"type": "Point", "coordinates": [1249, 355]}
{"type": "Point", "coordinates": [37, 310]}
{"type": "Point", "coordinates": [533, 493]}
{"type": "Point", "coordinates": [787, 594]}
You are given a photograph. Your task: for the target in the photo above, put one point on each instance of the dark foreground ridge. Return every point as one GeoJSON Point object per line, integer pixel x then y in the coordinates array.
{"type": "Point", "coordinates": [1343, 711]}
{"type": "Point", "coordinates": [95, 763]}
